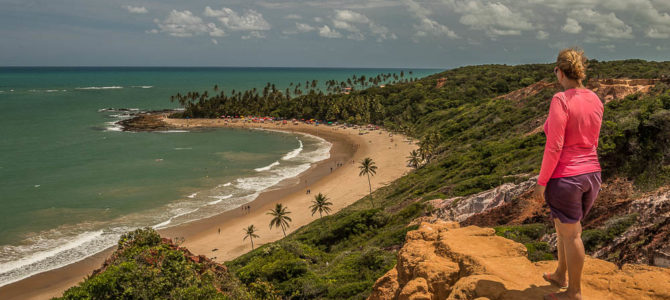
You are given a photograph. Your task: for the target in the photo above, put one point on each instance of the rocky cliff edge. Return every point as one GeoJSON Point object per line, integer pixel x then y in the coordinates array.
{"type": "Point", "coordinates": [445, 261]}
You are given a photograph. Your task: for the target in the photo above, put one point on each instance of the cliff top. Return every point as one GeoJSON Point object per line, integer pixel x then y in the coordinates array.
{"type": "Point", "coordinates": [445, 261]}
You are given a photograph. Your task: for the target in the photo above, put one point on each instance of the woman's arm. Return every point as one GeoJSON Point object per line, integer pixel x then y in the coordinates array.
{"type": "Point", "coordinates": [555, 131]}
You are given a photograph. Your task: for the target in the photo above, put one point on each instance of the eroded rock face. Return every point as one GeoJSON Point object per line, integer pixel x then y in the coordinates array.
{"type": "Point", "coordinates": [529, 91]}
{"type": "Point", "coordinates": [445, 261]}
{"type": "Point", "coordinates": [617, 89]}
{"type": "Point", "coordinates": [461, 208]}
{"type": "Point", "coordinates": [648, 240]}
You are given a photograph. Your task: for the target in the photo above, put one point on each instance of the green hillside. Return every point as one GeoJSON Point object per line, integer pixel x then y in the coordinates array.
{"type": "Point", "coordinates": [470, 141]}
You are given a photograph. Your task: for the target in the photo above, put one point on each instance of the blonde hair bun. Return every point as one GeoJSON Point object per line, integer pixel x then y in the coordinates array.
{"type": "Point", "coordinates": [572, 62]}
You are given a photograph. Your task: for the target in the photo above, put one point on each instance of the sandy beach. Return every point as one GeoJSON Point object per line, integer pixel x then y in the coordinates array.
{"type": "Point", "coordinates": [341, 185]}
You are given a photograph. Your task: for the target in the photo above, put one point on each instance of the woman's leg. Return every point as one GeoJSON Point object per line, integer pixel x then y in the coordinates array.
{"type": "Point", "coordinates": [571, 234]}
{"type": "Point", "coordinates": [560, 275]}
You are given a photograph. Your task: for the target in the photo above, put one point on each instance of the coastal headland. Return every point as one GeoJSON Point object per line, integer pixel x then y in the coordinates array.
{"type": "Point", "coordinates": [336, 177]}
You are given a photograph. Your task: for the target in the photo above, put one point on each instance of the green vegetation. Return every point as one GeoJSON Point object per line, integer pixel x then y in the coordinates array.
{"type": "Point", "coordinates": [144, 267]}
{"type": "Point", "coordinates": [635, 138]}
{"type": "Point", "coordinates": [335, 257]}
{"type": "Point", "coordinates": [528, 235]}
{"type": "Point", "coordinates": [595, 238]}
{"type": "Point", "coordinates": [470, 140]}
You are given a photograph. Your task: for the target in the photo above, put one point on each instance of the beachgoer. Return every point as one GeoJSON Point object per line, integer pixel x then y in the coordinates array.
{"type": "Point", "coordinates": [569, 179]}
{"type": "Point", "coordinates": [219, 230]}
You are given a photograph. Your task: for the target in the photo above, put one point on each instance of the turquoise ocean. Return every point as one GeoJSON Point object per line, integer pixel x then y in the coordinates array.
{"type": "Point", "coordinates": [71, 182]}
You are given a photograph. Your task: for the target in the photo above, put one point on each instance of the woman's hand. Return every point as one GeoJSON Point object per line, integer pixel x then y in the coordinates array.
{"type": "Point", "coordinates": [538, 193]}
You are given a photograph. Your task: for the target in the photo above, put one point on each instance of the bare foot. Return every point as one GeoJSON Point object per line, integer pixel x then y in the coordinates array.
{"type": "Point", "coordinates": [561, 282]}
{"type": "Point", "coordinates": [563, 296]}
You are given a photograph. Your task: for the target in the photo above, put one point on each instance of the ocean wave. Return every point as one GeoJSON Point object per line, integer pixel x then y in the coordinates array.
{"type": "Point", "coordinates": [294, 152]}
{"type": "Point", "coordinates": [111, 109]}
{"type": "Point", "coordinates": [219, 199]}
{"type": "Point", "coordinates": [48, 254]}
{"type": "Point", "coordinates": [224, 184]}
{"type": "Point", "coordinates": [143, 86]}
{"type": "Point", "coordinates": [125, 116]}
{"type": "Point", "coordinates": [192, 195]}
{"type": "Point", "coordinates": [113, 126]}
{"type": "Point", "coordinates": [46, 91]}
{"type": "Point", "coordinates": [179, 212]}
{"type": "Point", "coordinates": [268, 167]}
{"type": "Point", "coordinates": [321, 152]}
{"type": "Point", "coordinates": [99, 88]}
{"type": "Point", "coordinates": [188, 148]}
{"type": "Point", "coordinates": [173, 131]}
{"type": "Point", "coordinates": [260, 183]}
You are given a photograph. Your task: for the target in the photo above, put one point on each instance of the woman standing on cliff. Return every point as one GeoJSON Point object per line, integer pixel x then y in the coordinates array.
{"type": "Point", "coordinates": [569, 179]}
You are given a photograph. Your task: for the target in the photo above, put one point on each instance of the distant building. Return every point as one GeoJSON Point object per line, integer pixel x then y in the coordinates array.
{"type": "Point", "coordinates": [346, 90]}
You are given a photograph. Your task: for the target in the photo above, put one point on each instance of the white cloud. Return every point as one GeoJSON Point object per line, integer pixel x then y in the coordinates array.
{"type": "Point", "coordinates": [609, 47]}
{"type": "Point", "coordinates": [135, 9]}
{"type": "Point", "coordinates": [495, 19]}
{"type": "Point", "coordinates": [357, 36]}
{"type": "Point", "coordinates": [215, 31]}
{"type": "Point", "coordinates": [542, 35]}
{"type": "Point", "coordinates": [185, 24]}
{"type": "Point", "coordinates": [182, 24]}
{"type": "Point", "coordinates": [254, 34]}
{"type": "Point", "coordinates": [426, 25]}
{"type": "Point", "coordinates": [215, 42]}
{"type": "Point", "coordinates": [605, 26]}
{"type": "Point", "coordinates": [658, 32]}
{"type": "Point", "coordinates": [249, 21]}
{"type": "Point", "coordinates": [339, 24]}
{"type": "Point", "coordinates": [572, 26]}
{"type": "Point", "coordinates": [326, 32]}
{"type": "Point", "coordinates": [152, 31]}
{"type": "Point", "coordinates": [382, 32]}
{"type": "Point", "coordinates": [350, 16]}
{"type": "Point", "coordinates": [645, 14]}
{"type": "Point", "coordinates": [318, 19]}
{"type": "Point", "coordinates": [347, 20]}
{"type": "Point", "coordinates": [302, 27]}
{"type": "Point", "coordinates": [293, 17]}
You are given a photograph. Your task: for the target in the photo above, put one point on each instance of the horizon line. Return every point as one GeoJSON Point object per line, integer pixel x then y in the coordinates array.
{"type": "Point", "coordinates": [215, 67]}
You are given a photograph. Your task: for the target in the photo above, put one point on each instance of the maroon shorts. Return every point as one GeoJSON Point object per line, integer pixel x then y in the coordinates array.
{"type": "Point", "coordinates": [571, 198]}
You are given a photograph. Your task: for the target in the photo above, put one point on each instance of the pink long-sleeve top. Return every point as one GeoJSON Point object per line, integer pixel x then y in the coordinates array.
{"type": "Point", "coordinates": [572, 129]}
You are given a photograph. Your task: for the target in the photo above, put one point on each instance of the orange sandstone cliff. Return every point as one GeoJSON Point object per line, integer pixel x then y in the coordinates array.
{"type": "Point", "coordinates": [442, 260]}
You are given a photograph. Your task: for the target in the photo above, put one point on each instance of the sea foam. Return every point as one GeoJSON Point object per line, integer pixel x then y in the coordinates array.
{"type": "Point", "coordinates": [294, 152]}
{"type": "Point", "coordinates": [99, 88]}
{"type": "Point", "coordinates": [268, 167]}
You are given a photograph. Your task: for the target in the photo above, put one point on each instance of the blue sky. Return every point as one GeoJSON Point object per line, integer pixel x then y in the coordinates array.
{"type": "Point", "coordinates": [337, 33]}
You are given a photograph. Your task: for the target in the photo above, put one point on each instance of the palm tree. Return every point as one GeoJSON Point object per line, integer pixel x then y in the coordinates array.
{"type": "Point", "coordinates": [414, 159]}
{"type": "Point", "coordinates": [320, 204]}
{"type": "Point", "coordinates": [280, 217]}
{"type": "Point", "coordinates": [250, 232]}
{"type": "Point", "coordinates": [368, 167]}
